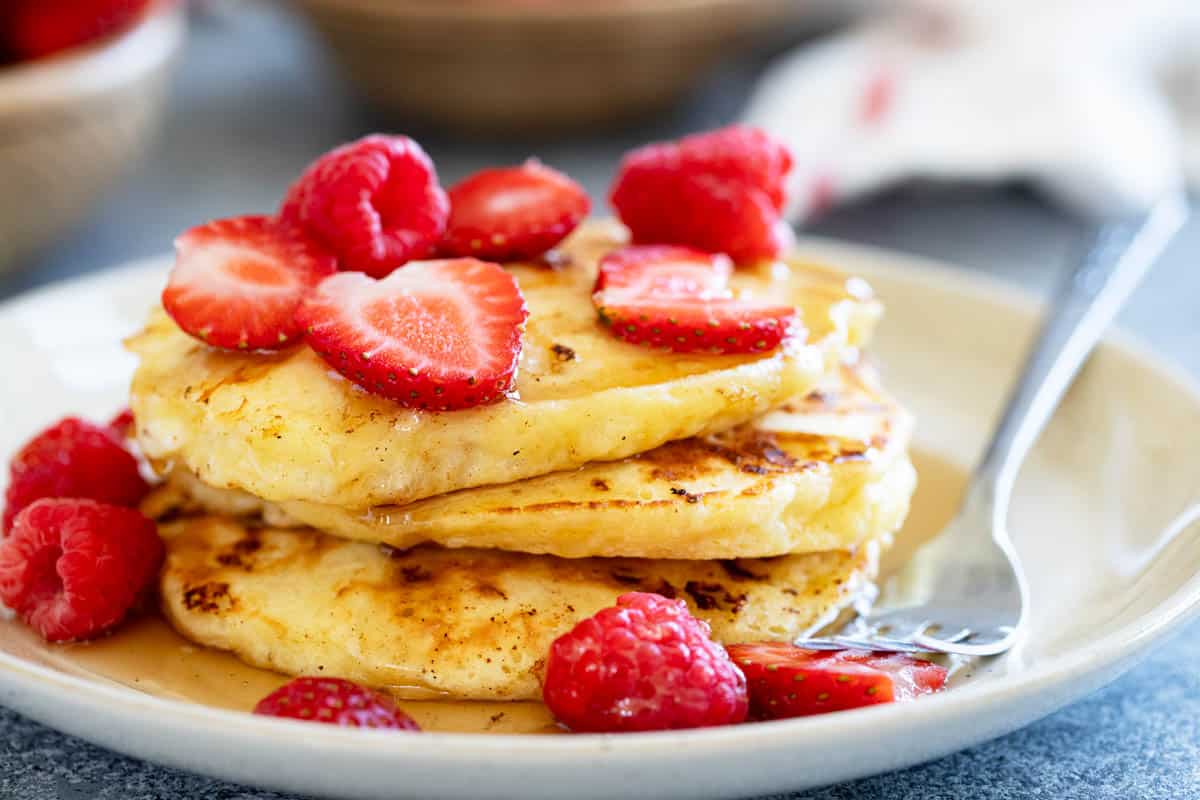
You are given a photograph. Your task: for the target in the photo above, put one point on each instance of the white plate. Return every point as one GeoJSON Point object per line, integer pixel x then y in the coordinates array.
{"type": "Point", "coordinates": [1099, 521]}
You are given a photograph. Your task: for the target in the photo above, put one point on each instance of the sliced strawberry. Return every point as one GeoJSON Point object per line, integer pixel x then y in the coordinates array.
{"type": "Point", "coordinates": [789, 681]}
{"type": "Point", "coordinates": [440, 335]}
{"type": "Point", "coordinates": [237, 282]}
{"type": "Point", "coordinates": [665, 270]}
{"type": "Point", "coordinates": [713, 326]}
{"type": "Point", "coordinates": [679, 298]}
{"type": "Point", "coordinates": [510, 213]}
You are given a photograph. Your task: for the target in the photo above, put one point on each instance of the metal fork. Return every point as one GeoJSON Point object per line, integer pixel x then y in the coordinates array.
{"type": "Point", "coordinates": [964, 591]}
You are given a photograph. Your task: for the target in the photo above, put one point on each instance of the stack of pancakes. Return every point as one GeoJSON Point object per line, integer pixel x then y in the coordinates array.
{"type": "Point", "coordinates": [313, 528]}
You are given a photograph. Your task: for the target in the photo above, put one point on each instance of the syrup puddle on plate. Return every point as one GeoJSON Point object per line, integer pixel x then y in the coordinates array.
{"type": "Point", "coordinates": [146, 654]}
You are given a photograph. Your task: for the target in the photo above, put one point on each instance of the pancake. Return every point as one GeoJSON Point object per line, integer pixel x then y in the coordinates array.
{"type": "Point", "coordinates": [458, 624]}
{"type": "Point", "coordinates": [823, 473]}
{"type": "Point", "coordinates": [285, 427]}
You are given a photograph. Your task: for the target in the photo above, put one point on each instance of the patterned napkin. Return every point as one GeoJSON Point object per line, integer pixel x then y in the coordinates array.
{"type": "Point", "coordinates": [1097, 102]}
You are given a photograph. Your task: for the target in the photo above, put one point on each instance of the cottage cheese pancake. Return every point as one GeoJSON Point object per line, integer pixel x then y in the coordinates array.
{"type": "Point", "coordinates": [284, 427]}
{"type": "Point", "coordinates": [462, 624]}
{"type": "Point", "coordinates": [822, 473]}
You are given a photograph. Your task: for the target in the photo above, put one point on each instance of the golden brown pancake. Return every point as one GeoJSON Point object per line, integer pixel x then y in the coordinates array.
{"type": "Point", "coordinates": [284, 427]}
{"type": "Point", "coordinates": [823, 473]}
{"type": "Point", "coordinates": [461, 624]}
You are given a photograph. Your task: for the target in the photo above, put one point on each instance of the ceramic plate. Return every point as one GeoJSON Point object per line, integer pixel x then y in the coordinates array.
{"type": "Point", "coordinates": [1101, 519]}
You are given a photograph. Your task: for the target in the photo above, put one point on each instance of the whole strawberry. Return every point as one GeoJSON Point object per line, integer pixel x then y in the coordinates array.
{"type": "Point", "coordinates": [73, 458]}
{"type": "Point", "coordinates": [645, 664]}
{"type": "Point", "coordinates": [334, 701]}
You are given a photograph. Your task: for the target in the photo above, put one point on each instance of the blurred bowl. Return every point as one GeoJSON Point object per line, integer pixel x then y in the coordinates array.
{"type": "Point", "coordinates": [71, 124]}
{"type": "Point", "coordinates": [530, 65]}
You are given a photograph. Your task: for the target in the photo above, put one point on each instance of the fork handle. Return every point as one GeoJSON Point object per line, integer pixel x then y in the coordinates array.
{"type": "Point", "coordinates": [1086, 302]}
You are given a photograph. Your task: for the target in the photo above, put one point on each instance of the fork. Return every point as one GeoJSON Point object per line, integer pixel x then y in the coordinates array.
{"type": "Point", "coordinates": [964, 592]}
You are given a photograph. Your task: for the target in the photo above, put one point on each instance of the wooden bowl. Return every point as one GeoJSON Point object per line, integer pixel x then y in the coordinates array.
{"type": "Point", "coordinates": [508, 66]}
{"type": "Point", "coordinates": [71, 124]}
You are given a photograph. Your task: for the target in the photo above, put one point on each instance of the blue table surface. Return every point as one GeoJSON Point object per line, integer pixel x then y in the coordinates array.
{"type": "Point", "coordinates": [255, 99]}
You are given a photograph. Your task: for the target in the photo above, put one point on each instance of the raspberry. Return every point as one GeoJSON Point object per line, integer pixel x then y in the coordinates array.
{"type": "Point", "coordinates": [72, 568]}
{"type": "Point", "coordinates": [720, 192]}
{"type": "Point", "coordinates": [740, 154]}
{"type": "Point", "coordinates": [645, 664]}
{"type": "Point", "coordinates": [73, 458]}
{"type": "Point", "coordinates": [375, 203]}
{"type": "Point", "coordinates": [336, 702]}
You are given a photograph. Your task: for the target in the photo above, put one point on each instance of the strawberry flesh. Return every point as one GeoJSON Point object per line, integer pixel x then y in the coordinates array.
{"type": "Point", "coordinates": [677, 298]}
{"type": "Point", "coordinates": [788, 681]}
{"type": "Point", "coordinates": [665, 270]}
{"type": "Point", "coordinates": [439, 335]}
{"type": "Point", "coordinates": [237, 282]}
{"type": "Point", "coordinates": [511, 213]}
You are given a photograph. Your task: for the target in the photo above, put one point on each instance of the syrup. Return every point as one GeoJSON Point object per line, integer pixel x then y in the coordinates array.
{"type": "Point", "coordinates": [146, 654]}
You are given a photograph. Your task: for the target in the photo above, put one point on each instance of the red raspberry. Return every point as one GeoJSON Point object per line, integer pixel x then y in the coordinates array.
{"type": "Point", "coordinates": [720, 192]}
{"type": "Point", "coordinates": [375, 202]}
{"type": "Point", "coordinates": [645, 664]}
{"type": "Point", "coordinates": [740, 154]}
{"type": "Point", "coordinates": [336, 702]}
{"type": "Point", "coordinates": [39, 28]}
{"type": "Point", "coordinates": [73, 459]}
{"type": "Point", "coordinates": [73, 568]}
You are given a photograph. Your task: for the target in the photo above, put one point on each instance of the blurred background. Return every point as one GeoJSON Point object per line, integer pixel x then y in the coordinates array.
{"type": "Point", "coordinates": [986, 133]}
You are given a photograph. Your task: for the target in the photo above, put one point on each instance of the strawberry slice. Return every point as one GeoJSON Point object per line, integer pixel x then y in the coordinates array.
{"type": "Point", "coordinates": [789, 681]}
{"type": "Point", "coordinates": [441, 335]}
{"type": "Point", "coordinates": [679, 299]}
{"type": "Point", "coordinates": [665, 270]}
{"type": "Point", "coordinates": [237, 282]}
{"type": "Point", "coordinates": [511, 213]}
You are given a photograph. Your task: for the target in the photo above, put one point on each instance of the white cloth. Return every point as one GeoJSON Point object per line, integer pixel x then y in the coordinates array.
{"type": "Point", "coordinates": [1095, 101]}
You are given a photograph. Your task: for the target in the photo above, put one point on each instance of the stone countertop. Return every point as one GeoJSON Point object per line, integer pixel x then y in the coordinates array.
{"type": "Point", "coordinates": [255, 100]}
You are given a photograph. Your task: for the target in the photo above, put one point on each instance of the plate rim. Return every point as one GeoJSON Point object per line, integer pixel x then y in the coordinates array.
{"type": "Point", "coordinates": [1118, 648]}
